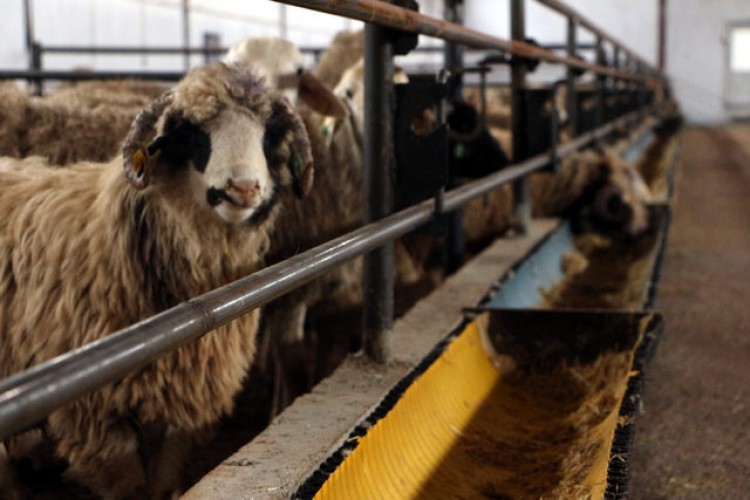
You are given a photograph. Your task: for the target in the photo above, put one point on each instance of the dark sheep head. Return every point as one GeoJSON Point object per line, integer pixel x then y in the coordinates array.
{"type": "Point", "coordinates": [473, 152]}
{"type": "Point", "coordinates": [614, 203]}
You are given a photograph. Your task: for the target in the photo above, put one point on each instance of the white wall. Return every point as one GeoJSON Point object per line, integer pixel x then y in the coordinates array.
{"type": "Point", "coordinates": [634, 25]}
{"type": "Point", "coordinates": [144, 23]}
{"type": "Point", "coordinates": [12, 52]}
{"type": "Point", "coordinates": [696, 54]}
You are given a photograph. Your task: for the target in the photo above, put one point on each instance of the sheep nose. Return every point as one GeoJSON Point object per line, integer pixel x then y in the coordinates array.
{"type": "Point", "coordinates": [243, 191]}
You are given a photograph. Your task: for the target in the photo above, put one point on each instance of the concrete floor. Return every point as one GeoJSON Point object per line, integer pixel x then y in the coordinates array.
{"type": "Point", "coordinates": [692, 440]}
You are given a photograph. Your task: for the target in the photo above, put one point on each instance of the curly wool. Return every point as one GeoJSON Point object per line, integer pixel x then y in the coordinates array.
{"type": "Point", "coordinates": [84, 254]}
{"type": "Point", "coordinates": [59, 130]}
{"type": "Point", "coordinates": [346, 48]}
{"type": "Point", "coordinates": [109, 258]}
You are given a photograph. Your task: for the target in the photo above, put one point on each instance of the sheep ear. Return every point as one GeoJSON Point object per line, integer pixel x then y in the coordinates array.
{"type": "Point", "coordinates": [302, 175]}
{"type": "Point", "coordinates": [299, 160]}
{"type": "Point", "coordinates": [140, 159]}
{"type": "Point", "coordinates": [142, 165]}
{"type": "Point", "coordinates": [316, 95]}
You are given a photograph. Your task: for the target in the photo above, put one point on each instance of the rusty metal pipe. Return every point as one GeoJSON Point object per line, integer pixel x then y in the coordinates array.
{"type": "Point", "coordinates": [387, 15]}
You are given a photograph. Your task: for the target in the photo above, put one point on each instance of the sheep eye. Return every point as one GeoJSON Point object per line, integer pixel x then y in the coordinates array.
{"type": "Point", "coordinates": [185, 142]}
{"type": "Point", "coordinates": [349, 93]}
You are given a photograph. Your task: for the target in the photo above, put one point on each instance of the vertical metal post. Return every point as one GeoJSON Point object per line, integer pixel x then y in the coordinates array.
{"type": "Point", "coordinates": [521, 192]}
{"type": "Point", "coordinates": [33, 49]}
{"type": "Point", "coordinates": [641, 69]}
{"type": "Point", "coordinates": [629, 86]}
{"type": "Point", "coordinates": [35, 61]}
{"type": "Point", "coordinates": [453, 12]}
{"type": "Point", "coordinates": [615, 82]}
{"type": "Point", "coordinates": [570, 94]}
{"type": "Point", "coordinates": [377, 275]}
{"type": "Point", "coordinates": [601, 58]}
{"type": "Point", "coordinates": [454, 58]}
{"type": "Point", "coordinates": [28, 18]}
{"type": "Point", "coordinates": [662, 35]}
{"type": "Point", "coordinates": [186, 32]}
{"type": "Point", "coordinates": [283, 28]}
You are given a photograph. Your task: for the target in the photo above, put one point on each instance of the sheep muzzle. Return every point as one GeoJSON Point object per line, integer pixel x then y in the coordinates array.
{"type": "Point", "coordinates": [611, 206]}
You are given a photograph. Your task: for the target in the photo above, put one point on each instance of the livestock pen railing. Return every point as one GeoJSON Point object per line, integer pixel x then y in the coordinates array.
{"type": "Point", "coordinates": [28, 397]}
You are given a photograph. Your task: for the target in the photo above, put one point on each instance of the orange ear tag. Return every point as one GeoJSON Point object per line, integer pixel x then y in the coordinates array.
{"type": "Point", "coordinates": [144, 162]}
{"type": "Point", "coordinates": [139, 160]}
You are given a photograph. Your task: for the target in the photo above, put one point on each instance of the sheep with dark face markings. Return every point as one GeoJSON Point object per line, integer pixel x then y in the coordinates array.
{"type": "Point", "coordinates": [86, 251]}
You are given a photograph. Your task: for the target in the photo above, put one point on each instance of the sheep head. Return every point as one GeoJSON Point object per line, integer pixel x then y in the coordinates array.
{"type": "Point", "coordinates": [350, 92]}
{"type": "Point", "coordinates": [616, 203]}
{"type": "Point", "coordinates": [224, 135]}
{"type": "Point", "coordinates": [280, 63]}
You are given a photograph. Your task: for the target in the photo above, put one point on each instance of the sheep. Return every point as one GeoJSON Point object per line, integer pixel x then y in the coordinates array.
{"type": "Point", "coordinates": [131, 95]}
{"type": "Point", "coordinates": [280, 63]}
{"type": "Point", "coordinates": [90, 249]}
{"type": "Point", "coordinates": [579, 189]}
{"type": "Point", "coordinates": [598, 191]}
{"type": "Point", "coordinates": [473, 151]}
{"type": "Point", "coordinates": [337, 204]}
{"type": "Point", "coordinates": [346, 48]}
{"type": "Point", "coordinates": [36, 126]}
{"type": "Point", "coordinates": [12, 116]}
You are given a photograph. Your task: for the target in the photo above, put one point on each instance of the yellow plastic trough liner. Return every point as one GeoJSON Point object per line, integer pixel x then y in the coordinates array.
{"type": "Point", "coordinates": [522, 404]}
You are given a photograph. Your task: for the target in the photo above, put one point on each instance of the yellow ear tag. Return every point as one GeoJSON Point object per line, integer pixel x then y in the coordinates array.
{"type": "Point", "coordinates": [139, 160]}
{"type": "Point", "coordinates": [144, 161]}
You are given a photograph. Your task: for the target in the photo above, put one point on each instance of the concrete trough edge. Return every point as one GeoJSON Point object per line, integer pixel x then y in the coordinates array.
{"type": "Point", "coordinates": [278, 460]}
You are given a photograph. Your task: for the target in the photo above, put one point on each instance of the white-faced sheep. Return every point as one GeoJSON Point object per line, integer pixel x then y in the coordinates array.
{"type": "Point", "coordinates": [281, 64]}
{"type": "Point", "coordinates": [93, 248]}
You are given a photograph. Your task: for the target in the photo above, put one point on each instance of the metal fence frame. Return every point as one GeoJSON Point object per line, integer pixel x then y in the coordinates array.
{"type": "Point", "coordinates": [29, 396]}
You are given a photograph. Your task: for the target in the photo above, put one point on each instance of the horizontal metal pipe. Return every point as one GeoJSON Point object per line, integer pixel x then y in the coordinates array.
{"type": "Point", "coordinates": [96, 75]}
{"type": "Point", "coordinates": [112, 50]}
{"type": "Point", "coordinates": [28, 397]}
{"type": "Point", "coordinates": [388, 15]}
{"type": "Point", "coordinates": [79, 49]}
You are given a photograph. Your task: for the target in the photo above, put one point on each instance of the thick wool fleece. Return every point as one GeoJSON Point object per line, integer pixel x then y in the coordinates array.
{"type": "Point", "coordinates": [85, 254]}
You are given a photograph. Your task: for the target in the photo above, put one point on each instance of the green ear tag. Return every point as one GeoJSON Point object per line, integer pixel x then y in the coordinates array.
{"type": "Point", "coordinates": [297, 167]}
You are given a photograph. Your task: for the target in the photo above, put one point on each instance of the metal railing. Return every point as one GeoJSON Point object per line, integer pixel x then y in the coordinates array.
{"type": "Point", "coordinates": [28, 397]}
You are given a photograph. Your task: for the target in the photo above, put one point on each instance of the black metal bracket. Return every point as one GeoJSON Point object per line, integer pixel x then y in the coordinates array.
{"type": "Point", "coordinates": [403, 42]}
{"type": "Point", "coordinates": [503, 58]}
{"type": "Point", "coordinates": [554, 159]}
{"type": "Point", "coordinates": [420, 140]}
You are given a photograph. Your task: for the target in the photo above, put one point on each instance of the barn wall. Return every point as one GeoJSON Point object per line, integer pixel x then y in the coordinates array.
{"type": "Point", "coordinates": [696, 55]}
{"type": "Point", "coordinates": [149, 23]}
{"type": "Point", "coordinates": [696, 32]}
